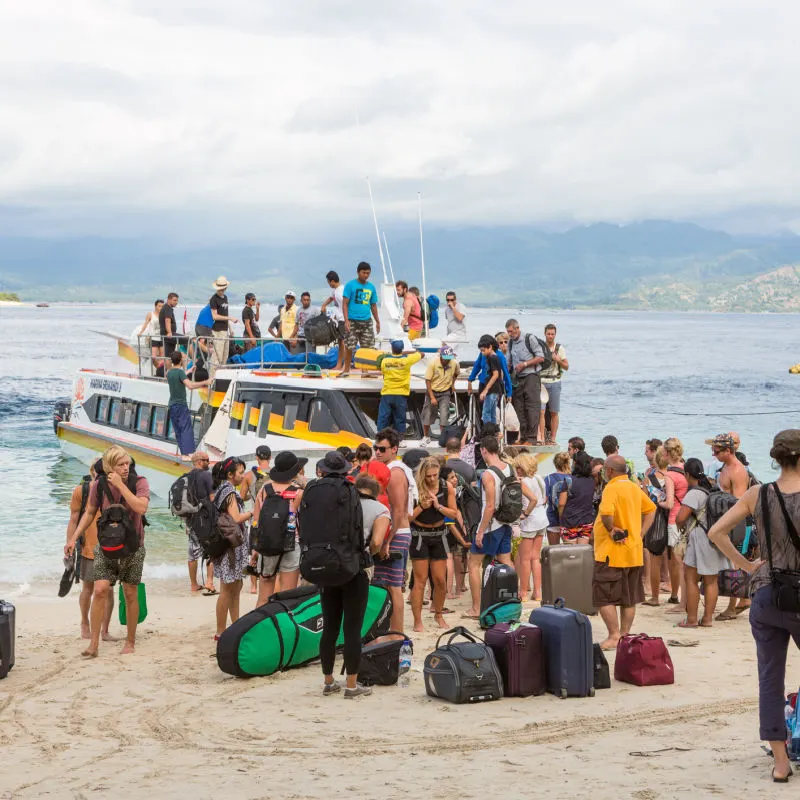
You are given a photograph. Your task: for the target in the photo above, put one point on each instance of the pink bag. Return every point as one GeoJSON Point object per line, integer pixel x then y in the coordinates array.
{"type": "Point", "coordinates": [644, 661]}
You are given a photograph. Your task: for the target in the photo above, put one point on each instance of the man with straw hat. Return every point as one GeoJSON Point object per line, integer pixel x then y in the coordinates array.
{"type": "Point", "coordinates": [219, 312]}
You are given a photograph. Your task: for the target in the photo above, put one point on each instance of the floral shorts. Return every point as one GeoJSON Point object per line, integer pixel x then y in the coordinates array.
{"type": "Point", "coordinates": [125, 570]}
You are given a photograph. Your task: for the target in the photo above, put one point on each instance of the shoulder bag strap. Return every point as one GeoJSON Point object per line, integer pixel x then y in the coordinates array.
{"type": "Point", "coordinates": [790, 527]}
{"type": "Point", "coordinates": [105, 490]}
{"type": "Point", "coordinates": [457, 631]}
{"type": "Point", "coordinates": [765, 520]}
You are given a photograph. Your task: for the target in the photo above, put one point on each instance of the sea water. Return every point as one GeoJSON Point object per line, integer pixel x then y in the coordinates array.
{"type": "Point", "coordinates": [636, 375]}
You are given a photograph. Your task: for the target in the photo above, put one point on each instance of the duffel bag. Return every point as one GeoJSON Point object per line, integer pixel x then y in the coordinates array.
{"type": "Point", "coordinates": [644, 661]}
{"type": "Point", "coordinates": [380, 661]}
{"type": "Point", "coordinates": [462, 672]}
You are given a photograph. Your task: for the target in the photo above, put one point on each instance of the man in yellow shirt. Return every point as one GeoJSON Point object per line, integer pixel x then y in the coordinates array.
{"type": "Point", "coordinates": [288, 321]}
{"type": "Point", "coordinates": [396, 369]}
{"type": "Point", "coordinates": [625, 515]}
{"type": "Point", "coordinates": [440, 376]}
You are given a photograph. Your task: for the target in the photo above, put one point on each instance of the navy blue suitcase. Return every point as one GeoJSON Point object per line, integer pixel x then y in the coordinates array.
{"type": "Point", "coordinates": [568, 652]}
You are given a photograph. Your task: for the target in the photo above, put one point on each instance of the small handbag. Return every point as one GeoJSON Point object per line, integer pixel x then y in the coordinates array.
{"type": "Point", "coordinates": [785, 583]}
{"type": "Point", "coordinates": [644, 661]}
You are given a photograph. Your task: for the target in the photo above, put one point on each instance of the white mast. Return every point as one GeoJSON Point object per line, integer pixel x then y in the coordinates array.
{"type": "Point", "coordinates": [377, 232]}
{"type": "Point", "coordinates": [388, 257]}
{"type": "Point", "coordinates": [422, 260]}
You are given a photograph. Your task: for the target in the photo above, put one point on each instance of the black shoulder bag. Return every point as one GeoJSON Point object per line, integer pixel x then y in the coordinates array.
{"type": "Point", "coordinates": [785, 583]}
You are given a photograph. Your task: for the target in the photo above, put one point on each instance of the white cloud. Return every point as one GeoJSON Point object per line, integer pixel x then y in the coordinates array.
{"type": "Point", "coordinates": [261, 117]}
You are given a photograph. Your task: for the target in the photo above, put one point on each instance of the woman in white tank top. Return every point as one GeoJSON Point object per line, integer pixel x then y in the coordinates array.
{"type": "Point", "coordinates": [533, 524]}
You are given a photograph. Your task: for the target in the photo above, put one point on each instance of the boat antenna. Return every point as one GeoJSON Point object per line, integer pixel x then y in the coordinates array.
{"type": "Point", "coordinates": [422, 261]}
{"type": "Point", "coordinates": [388, 257]}
{"type": "Point", "coordinates": [377, 232]}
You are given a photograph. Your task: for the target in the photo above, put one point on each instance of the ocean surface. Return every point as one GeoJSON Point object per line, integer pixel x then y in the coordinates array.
{"type": "Point", "coordinates": [636, 375]}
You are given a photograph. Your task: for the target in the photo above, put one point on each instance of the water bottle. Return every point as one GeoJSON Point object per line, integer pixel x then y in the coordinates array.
{"type": "Point", "coordinates": [405, 663]}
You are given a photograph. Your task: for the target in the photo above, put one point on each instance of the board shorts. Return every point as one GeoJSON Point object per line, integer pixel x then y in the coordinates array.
{"type": "Point", "coordinates": [616, 586]}
{"type": "Point", "coordinates": [194, 551]}
{"type": "Point", "coordinates": [362, 334]}
{"type": "Point", "coordinates": [268, 566]}
{"type": "Point", "coordinates": [432, 546]}
{"type": "Point", "coordinates": [125, 570]}
{"type": "Point", "coordinates": [392, 572]}
{"type": "Point", "coordinates": [553, 396]}
{"type": "Point", "coordinates": [495, 543]}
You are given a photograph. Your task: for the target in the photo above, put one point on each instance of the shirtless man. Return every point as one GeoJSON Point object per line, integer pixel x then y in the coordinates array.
{"type": "Point", "coordinates": [734, 479]}
{"type": "Point", "coordinates": [390, 570]}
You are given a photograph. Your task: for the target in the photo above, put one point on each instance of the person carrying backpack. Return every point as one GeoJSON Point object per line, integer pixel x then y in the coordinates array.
{"type": "Point", "coordinates": [526, 360]}
{"type": "Point", "coordinates": [202, 487]}
{"type": "Point", "coordinates": [501, 494]}
{"type": "Point", "coordinates": [122, 498]}
{"type": "Point", "coordinates": [275, 527]}
{"type": "Point", "coordinates": [334, 556]}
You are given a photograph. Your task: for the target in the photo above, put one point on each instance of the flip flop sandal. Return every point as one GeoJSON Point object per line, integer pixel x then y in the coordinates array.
{"type": "Point", "coordinates": [652, 603]}
{"type": "Point", "coordinates": [724, 616]}
{"type": "Point", "coordinates": [685, 624]}
{"type": "Point", "coordinates": [683, 642]}
{"type": "Point", "coordinates": [210, 592]}
{"type": "Point", "coordinates": [673, 599]}
{"type": "Point", "coordinates": [471, 616]}
{"type": "Point", "coordinates": [742, 609]}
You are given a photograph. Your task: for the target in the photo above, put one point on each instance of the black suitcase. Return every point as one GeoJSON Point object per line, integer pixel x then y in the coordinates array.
{"type": "Point", "coordinates": [7, 636]}
{"type": "Point", "coordinates": [500, 583]}
{"type": "Point", "coordinates": [462, 672]}
{"type": "Point", "coordinates": [602, 674]}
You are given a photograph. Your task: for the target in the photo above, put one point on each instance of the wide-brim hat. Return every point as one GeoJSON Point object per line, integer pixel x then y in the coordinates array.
{"type": "Point", "coordinates": [221, 283]}
{"type": "Point", "coordinates": [286, 466]}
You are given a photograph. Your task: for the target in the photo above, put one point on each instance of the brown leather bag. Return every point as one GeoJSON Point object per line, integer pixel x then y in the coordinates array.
{"type": "Point", "coordinates": [231, 531]}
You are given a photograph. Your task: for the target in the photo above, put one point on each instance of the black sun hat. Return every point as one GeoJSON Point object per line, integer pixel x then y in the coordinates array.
{"type": "Point", "coordinates": [285, 466]}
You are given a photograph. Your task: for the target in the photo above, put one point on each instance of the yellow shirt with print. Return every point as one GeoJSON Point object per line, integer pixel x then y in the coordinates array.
{"type": "Point", "coordinates": [397, 373]}
{"type": "Point", "coordinates": [626, 503]}
{"type": "Point", "coordinates": [288, 321]}
{"type": "Point", "coordinates": [442, 377]}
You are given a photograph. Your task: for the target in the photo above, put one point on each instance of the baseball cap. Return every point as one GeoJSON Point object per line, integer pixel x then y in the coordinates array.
{"type": "Point", "coordinates": [263, 451]}
{"type": "Point", "coordinates": [290, 293]}
{"type": "Point", "coordinates": [397, 346]}
{"type": "Point", "coordinates": [447, 353]}
{"type": "Point", "coordinates": [723, 440]}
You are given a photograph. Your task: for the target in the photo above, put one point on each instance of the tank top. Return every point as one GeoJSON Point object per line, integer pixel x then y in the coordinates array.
{"type": "Point", "coordinates": [430, 517]}
{"type": "Point", "coordinates": [153, 328]}
{"type": "Point", "coordinates": [413, 493]}
{"type": "Point", "coordinates": [415, 315]}
{"type": "Point", "coordinates": [538, 518]}
{"type": "Point", "coordinates": [579, 509]}
{"type": "Point", "coordinates": [681, 487]}
{"type": "Point", "coordinates": [506, 470]}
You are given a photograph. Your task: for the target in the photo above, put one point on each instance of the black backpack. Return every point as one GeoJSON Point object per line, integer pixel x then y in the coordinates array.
{"type": "Point", "coordinates": [183, 497]}
{"type": "Point", "coordinates": [548, 356]}
{"type": "Point", "coordinates": [116, 533]}
{"type": "Point", "coordinates": [657, 536]}
{"type": "Point", "coordinates": [509, 508]}
{"type": "Point", "coordinates": [203, 524]}
{"type": "Point", "coordinates": [468, 500]}
{"type": "Point", "coordinates": [330, 524]}
{"type": "Point", "coordinates": [271, 537]}
{"type": "Point", "coordinates": [718, 504]}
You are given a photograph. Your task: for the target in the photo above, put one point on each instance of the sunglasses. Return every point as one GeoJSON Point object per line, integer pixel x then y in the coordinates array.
{"type": "Point", "coordinates": [381, 449]}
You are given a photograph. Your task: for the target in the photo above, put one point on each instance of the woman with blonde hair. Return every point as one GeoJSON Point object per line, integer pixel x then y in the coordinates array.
{"type": "Point", "coordinates": [676, 489]}
{"type": "Point", "coordinates": [533, 525]}
{"type": "Point", "coordinates": [660, 486]}
{"type": "Point", "coordinates": [429, 549]}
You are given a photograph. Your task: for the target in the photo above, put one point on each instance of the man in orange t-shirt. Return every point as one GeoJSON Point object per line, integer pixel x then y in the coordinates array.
{"type": "Point", "coordinates": [77, 505]}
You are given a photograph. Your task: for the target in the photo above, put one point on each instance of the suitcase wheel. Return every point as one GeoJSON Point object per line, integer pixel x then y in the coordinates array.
{"type": "Point", "coordinates": [591, 692]}
{"type": "Point", "coordinates": [563, 694]}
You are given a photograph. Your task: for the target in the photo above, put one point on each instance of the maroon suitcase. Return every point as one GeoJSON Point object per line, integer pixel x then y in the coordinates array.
{"type": "Point", "coordinates": [519, 653]}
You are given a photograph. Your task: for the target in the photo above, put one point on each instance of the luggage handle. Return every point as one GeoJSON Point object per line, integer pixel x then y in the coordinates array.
{"type": "Point", "coordinates": [375, 636]}
{"type": "Point", "coordinates": [460, 630]}
{"type": "Point", "coordinates": [559, 602]}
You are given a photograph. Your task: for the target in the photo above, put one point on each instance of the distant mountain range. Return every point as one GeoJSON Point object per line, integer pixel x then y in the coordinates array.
{"type": "Point", "coordinates": [651, 264]}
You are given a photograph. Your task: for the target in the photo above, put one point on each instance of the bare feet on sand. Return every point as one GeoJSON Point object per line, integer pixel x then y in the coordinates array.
{"type": "Point", "coordinates": [419, 627]}
{"type": "Point", "coordinates": [439, 619]}
{"type": "Point", "coordinates": [107, 637]}
{"type": "Point", "coordinates": [610, 643]}
{"type": "Point", "coordinates": [85, 633]}
{"type": "Point", "coordinates": [89, 653]}
{"type": "Point", "coordinates": [128, 649]}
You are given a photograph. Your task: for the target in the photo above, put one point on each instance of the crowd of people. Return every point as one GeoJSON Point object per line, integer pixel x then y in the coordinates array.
{"type": "Point", "coordinates": [414, 510]}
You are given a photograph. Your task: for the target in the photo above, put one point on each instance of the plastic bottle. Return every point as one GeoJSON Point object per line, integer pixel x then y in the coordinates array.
{"type": "Point", "coordinates": [405, 663]}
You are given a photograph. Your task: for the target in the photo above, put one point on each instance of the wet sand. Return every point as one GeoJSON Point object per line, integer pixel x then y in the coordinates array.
{"type": "Point", "coordinates": [167, 722]}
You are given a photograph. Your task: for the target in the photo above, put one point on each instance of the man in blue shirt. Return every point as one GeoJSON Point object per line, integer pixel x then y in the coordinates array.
{"type": "Point", "coordinates": [359, 303]}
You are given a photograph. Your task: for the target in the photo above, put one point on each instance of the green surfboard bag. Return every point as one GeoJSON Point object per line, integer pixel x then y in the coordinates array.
{"type": "Point", "coordinates": [285, 632]}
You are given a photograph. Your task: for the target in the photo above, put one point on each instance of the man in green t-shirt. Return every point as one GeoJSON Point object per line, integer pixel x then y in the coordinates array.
{"type": "Point", "coordinates": [178, 408]}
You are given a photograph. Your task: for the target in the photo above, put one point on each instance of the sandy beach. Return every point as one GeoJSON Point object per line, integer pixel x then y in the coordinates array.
{"type": "Point", "coordinates": [166, 722]}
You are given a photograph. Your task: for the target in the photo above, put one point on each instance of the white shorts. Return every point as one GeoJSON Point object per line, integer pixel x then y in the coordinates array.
{"type": "Point", "coordinates": [268, 566]}
{"type": "Point", "coordinates": [673, 535]}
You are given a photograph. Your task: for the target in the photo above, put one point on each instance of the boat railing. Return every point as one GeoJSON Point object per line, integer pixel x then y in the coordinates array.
{"type": "Point", "coordinates": [210, 353]}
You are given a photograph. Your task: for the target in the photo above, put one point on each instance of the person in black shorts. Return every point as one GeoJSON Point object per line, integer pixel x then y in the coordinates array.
{"type": "Point", "coordinates": [166, 324]}
{"type": "Point", "coordinates": [429, 548]}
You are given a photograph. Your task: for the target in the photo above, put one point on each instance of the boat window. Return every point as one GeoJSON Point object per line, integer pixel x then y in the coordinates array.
{"type": "Point", "coordinates": [143, 419]}
{"type": "Point", "coordinates": [245, 426]}
{"type": "Point", "coordinates": [158, 424]}
{"type": "Point", "coordinates": [128, 415]}
{"type": "Point", "coordinates": [115, 413]}
{"type": "Point", "coordinates": [102, 409]}
{"type": "Point", "coordinates": [320, 419]}
{"type": "Point", "coordinates": [367, 405]}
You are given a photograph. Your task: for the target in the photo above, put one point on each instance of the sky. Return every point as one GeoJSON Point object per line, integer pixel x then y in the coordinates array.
{"type": "Point", "coordinates": [259, 120]}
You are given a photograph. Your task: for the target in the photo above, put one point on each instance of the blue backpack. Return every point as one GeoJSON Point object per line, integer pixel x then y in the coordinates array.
{"type": "Point", "coordinates": [432, 310]}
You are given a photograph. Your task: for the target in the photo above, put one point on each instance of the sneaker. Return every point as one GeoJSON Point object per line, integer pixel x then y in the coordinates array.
{"type": "Point", "coordinates": [403, 444]}
{"type": "Point", "coordinates": [359, 691]}
{"type": "Point", "coordinates": [425, 441]}
{"type": "Point", "coordinates": [331, 688]}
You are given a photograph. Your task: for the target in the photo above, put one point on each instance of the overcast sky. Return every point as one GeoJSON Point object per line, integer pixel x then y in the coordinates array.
{"type": "Point", "coordinates": [261, 118]}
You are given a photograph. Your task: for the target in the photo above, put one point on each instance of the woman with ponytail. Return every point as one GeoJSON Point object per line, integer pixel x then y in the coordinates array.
{"type": "Point", "coordinates": [702, 560]}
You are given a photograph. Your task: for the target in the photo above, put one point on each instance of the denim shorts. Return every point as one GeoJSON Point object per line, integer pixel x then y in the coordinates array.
{"type": "Point", "coordinates": [495, 543]}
